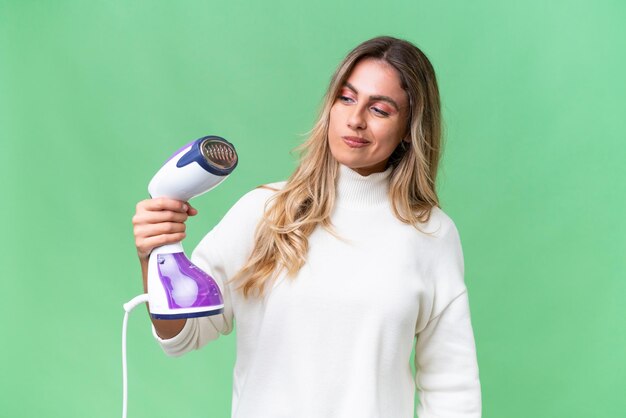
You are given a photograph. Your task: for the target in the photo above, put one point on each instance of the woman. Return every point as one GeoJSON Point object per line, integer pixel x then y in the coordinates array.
{"type": "Point", "coordinates": [333, 275]}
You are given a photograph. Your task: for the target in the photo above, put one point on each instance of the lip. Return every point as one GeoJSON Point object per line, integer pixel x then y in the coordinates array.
{"type": "Point", "coordinates": [355, 141]}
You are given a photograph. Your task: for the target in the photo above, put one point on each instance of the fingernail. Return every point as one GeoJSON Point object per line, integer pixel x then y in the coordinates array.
{"type": "Point", "coordinates": [185, 208]}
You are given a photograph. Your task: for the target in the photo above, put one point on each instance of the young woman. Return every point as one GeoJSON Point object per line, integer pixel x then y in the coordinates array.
{"type": "Point", "coordinates": [335, 274]}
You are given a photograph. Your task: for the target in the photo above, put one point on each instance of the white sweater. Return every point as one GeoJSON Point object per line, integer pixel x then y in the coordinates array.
{"type": "Point", "coordinates": [336, 341]}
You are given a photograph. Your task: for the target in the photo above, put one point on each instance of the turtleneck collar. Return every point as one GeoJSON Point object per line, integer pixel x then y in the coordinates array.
{"type": "Point", "coordinates": [357, 191]}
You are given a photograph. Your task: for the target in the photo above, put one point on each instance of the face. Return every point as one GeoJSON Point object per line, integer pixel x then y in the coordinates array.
{"type": "Point", "coordinates": [368, 118]}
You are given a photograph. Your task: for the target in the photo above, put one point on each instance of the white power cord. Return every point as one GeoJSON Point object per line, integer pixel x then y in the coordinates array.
{"type": "Point", "coordinates": [129, 306]}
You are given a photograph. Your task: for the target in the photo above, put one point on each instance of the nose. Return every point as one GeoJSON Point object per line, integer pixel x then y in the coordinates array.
{"type": "Point", "coordinates": [356, 119]}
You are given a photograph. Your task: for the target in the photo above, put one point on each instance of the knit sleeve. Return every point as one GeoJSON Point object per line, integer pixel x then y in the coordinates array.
{"type": "Point", "coordinates": [221, 253]}
{"type": "Point", "coordinates": [446, 364]}
{"type": "Point", "coordinates": [447, 371]}
{"type": "Point", "coordinates": [197, 332]}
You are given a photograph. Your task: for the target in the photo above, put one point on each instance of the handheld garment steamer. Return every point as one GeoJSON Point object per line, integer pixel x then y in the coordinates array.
{"type": "Point", "coordinates": [176, 287]}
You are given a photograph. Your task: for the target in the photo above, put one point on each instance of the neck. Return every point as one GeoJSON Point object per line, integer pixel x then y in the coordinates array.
{"type": "Point", "coordinates": [357, 191]}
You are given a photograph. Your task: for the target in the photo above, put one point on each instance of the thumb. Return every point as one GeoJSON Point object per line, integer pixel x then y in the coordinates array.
{"type": "Point", "coordinates": [191, 211]}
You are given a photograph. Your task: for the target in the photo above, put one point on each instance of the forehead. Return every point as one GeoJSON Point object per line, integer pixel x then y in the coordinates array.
{"type": "Point", "coordinates": [372, 77]}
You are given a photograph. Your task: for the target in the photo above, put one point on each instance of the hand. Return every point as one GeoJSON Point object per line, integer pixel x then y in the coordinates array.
{"type": "Point", "coordinates": [158, 222]}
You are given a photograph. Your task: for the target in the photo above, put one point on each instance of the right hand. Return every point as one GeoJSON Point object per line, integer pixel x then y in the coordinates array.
{"type": "Point", "coordinates": [158, 222]}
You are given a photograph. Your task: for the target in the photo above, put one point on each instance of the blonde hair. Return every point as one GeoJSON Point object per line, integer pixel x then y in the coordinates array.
{"type": "Point", "coordinates": [306, 201]}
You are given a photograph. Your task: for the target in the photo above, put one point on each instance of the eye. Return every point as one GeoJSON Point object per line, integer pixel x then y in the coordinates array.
{"type": "Point", "coordinates": [345, 99]}
{"type": "Point", "coordinates": [380, 112]}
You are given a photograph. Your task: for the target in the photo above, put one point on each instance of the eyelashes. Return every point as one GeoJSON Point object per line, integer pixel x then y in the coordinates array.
{"type": "Point", "coordinates": [348, 100]}
{"type": "Point", "coordinates": [380, 112]}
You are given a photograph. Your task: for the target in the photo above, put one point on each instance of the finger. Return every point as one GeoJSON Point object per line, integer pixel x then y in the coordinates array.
{"type": "Point", "coordinates": [153, 217]}
{"type": "Point", "coordinates": [191, 211]}
{"type": "Point", "coordinates": [151, 230]}
{"type": "Point", "coordinates": [146, 245]}
{"type": "Point", "coordinates": [163, 203]}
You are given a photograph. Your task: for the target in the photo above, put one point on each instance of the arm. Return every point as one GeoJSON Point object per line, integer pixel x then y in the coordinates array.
{"type": "Point", "coordinates": [221, 253]}
{"type": "Point", "coordinates": [197, 332]}
{"type": "Point", "coordinates": [163, 328]}
{"type": "Point", "coordinates": [162, 221]}
{"type": "Point", "coordinates": [445, 352]}
{"type": "Point", "coordinates": [157, 222]}
{"type": "Point", "coordinates": [447, 369]}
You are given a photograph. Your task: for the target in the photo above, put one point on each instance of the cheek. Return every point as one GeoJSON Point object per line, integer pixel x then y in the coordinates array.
{"type": "Point", "coordinates": [334, 121]}
{"type": "Point", "coordinates": [334, 114]}
{"type": "Point", "coordinates": [389, 138]}
{"type": "Point", "coordinates": [388, 132]}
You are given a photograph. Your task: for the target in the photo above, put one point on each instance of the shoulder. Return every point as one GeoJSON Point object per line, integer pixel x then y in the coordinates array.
{"type": "Point", "coordinates": [260, 194]}
{"type": "Point", "coordinates": [444, 257]}
{"type": "Point", "coordinates": [448, 259]}
{"type": "Point", "coordinates": [272, 187]}
{"type": "Point", "coordinates": [254, 201]}
{"type": "Point", "coordinates": [239, 222]}
{"type": "Point", "coordinates": [445, 245]}
{"type": "Point", "coordinates": [436, 241]}
{"type": "Point", "coordinates": [440, 226]}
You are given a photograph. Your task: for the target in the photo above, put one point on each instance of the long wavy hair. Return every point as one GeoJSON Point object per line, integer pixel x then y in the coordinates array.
{"type": "Point", "coordinates": [306, 201]}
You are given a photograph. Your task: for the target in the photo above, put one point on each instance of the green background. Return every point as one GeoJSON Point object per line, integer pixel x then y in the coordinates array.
{"type": "Point", "coordinates": [95, 95]}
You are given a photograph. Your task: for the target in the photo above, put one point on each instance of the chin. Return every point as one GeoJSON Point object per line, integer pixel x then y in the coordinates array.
{"type": "Point", "coordinates": [352, 163]}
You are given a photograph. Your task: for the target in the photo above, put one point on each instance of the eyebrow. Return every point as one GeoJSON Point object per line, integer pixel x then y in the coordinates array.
{"type": "Point", "coordinates": [376, 97]}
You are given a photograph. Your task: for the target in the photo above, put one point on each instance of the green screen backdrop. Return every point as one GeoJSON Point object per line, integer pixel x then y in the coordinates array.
{"type": "Point", "coordinates": [95, 95]}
